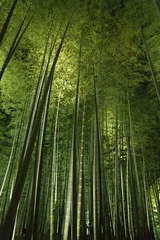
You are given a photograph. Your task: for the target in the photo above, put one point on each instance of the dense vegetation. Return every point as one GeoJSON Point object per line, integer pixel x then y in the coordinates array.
{"type": "Point", "coordinates": [79, 119]}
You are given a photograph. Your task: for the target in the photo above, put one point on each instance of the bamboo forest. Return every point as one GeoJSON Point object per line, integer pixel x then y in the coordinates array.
{"type": "Point", "coordinates": [80, 119]}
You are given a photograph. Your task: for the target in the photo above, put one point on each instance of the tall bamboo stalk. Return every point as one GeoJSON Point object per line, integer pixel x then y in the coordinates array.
{"type": "Point", "coordinates": [100, 172]}
{"type": "Point", "coordinates": [20, 180]}
{"type": "Point", "coordinates": [14, 45]}
{"type": "Point", "coordinates": [81, 180]}
{"type": "Point", "coordinates": [95, 211]}
{"type": "Point", "coordinates": [7, 21]}
{"type": "Point", "coordinates": [52, 199]}
{"type": "Point", "coordinates": [116, 182]}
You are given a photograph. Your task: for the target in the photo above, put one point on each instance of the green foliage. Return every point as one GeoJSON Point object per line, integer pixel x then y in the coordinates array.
{"type": "Point", "coordinates": [113, 55]}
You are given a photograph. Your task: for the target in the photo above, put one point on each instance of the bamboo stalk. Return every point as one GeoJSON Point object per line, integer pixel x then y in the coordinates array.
{"type": "Point", "coordinates": [53, 165]}
{"type": "Point", "coordinates": [8, 19]}
{"type": "Point", "coordinates": [9, 219]}
{"type": "Point", "coordinates": [14, 45]}
{"type": "Point", "coordinates": [81, 179]}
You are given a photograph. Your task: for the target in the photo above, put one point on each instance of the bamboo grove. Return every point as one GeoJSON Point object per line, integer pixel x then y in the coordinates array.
{"type": "Point", "coordinates": [79, 120]}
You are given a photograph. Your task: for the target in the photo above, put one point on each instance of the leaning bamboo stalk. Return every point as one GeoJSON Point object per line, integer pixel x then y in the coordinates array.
{"type": "Point", "coordinates": [20, 180]}
{"type": "Point", "coordinates": [6, 23]}
{"type": "Point", "coordinates": [36, 99]}
{"type": "Point", "coordinates": [9, 164]}
{"type": "Point", "coordinates": [14, 45]}
{"type": "Point", "coordinates": [35, 199]}
{"type": "Point", "coordinates": [41, 80]}
{"type": "Point", "coordinates": [15, 224]}
{"type": "Point", "coordinates": [40, 166]}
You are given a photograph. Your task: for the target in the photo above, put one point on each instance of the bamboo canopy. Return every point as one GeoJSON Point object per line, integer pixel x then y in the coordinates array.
{"type": "Point", "coordinates": [79, 120]}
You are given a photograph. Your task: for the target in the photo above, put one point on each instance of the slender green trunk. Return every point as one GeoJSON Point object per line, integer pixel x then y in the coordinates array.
{"type": "Point", "coordinates": [134, 154]}
{"type": "Point", "coordinates": [116, 203]}
{"type": "Point", "coordinates": [67, 220]}
{"type": "Point", "coordinates": [74, 151]}
{"type": "Point", "coordinates": [81, 181]}
{"type": "Point", "coordinates": [90, 174]}
{"type": "Point", "coordinates": [39, 168]}
{"type": "Point", "coordinates": [7, 227]}
{"type": "Point", "coordinates": [145, 192]}
{"type": "Point", "coordinates": [14, 45]}
{"type": "Point", "coordinates": [52, 199]}
{"type": "Point", "coordinates": [9, 164]}
{"type": "Point", "coordinates": [131, 196]}
{"type": "Point", "coordinates": [95, 212]}
{"type": "Point", "coordinates": [123, 201]}
{"type": "Point", "coordinates": [5, 25]}
{"type": "Point", "coordinates": [99, 152]}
